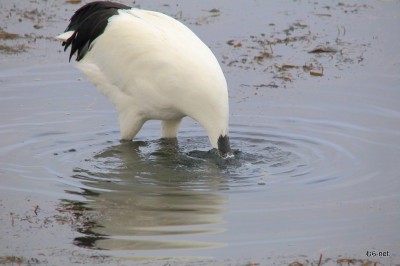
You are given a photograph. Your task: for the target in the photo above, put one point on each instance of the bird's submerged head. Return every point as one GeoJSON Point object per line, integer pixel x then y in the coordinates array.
{"type": "Point", "coordinates": [224, 146]}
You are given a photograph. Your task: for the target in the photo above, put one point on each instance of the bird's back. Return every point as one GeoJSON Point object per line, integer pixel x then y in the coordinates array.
{"type": "Point", "coordinates": [157, 61]}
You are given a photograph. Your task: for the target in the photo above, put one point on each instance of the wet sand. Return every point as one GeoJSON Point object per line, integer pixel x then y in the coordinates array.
{"type": "Point", "coordinates": [314, 116]}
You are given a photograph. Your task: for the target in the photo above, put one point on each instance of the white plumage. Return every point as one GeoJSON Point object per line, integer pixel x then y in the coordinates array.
{"type": "Point", "coordinates": [150, 66]}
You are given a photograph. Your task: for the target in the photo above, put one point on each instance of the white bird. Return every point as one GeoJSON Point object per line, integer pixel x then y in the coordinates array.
{"type": "Point", "coordinates": [151, 67]}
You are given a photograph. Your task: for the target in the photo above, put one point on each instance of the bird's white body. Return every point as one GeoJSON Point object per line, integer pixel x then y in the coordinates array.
{"type": "Point", "coordinates": [153, 67]}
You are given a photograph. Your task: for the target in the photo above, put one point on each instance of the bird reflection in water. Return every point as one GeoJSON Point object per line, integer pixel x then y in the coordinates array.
{"type": "Point", "coordinates": [147, 195]}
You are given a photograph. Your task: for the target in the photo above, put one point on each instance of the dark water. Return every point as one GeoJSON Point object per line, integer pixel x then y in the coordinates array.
{"type": "Point", "coordinates": [315, 167]}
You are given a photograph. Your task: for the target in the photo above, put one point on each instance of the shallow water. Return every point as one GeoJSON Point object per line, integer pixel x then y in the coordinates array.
{"type": "Point", "coordinates": [315, 167]}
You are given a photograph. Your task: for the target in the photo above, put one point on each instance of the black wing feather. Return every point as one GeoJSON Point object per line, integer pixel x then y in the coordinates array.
{"type": "Point", "coordinates": [88, 23]}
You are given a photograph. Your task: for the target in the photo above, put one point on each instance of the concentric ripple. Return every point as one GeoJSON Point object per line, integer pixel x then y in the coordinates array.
{"type": "Point", "coordinates": [156, 194]}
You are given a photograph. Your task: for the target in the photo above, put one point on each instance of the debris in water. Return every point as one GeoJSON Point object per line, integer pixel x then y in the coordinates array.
{"type": "Point", "coordinates": [259, 58]}
{"type": "Point", "coordinates": [215, 12]}
{"type": "Point", "coordinates": [283, 77]}
{"type": "Point", "coordinates": [323, 49]}
{"type": "Point", "coordinates": [7, 35]}
{"type": "Point", "coordinates": [269, 85]}
{"type": "Point", "coordinates": [261, 182]}
{"type": "Point", "coordinates": [13, 49]}
{"type": "Point", "coordinates": [316, 74]}
{"type": "Point", "coordinates": [36, 210]}
{"type": "Point", "coordinates": [233, 43]}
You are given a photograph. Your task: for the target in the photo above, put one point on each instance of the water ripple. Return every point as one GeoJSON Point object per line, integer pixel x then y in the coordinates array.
{"type": "Point", "coordinates": [152, 193]}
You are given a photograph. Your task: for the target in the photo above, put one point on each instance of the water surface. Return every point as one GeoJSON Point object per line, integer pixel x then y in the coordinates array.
{"type": "Point", "coordinates": [315, 167]}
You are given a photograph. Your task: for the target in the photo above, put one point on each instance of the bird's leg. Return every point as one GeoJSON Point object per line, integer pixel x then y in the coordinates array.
{"type": "Point", "coordinates": [170, 128]}
{"type": "Point", "coordinates": [130, 125]}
